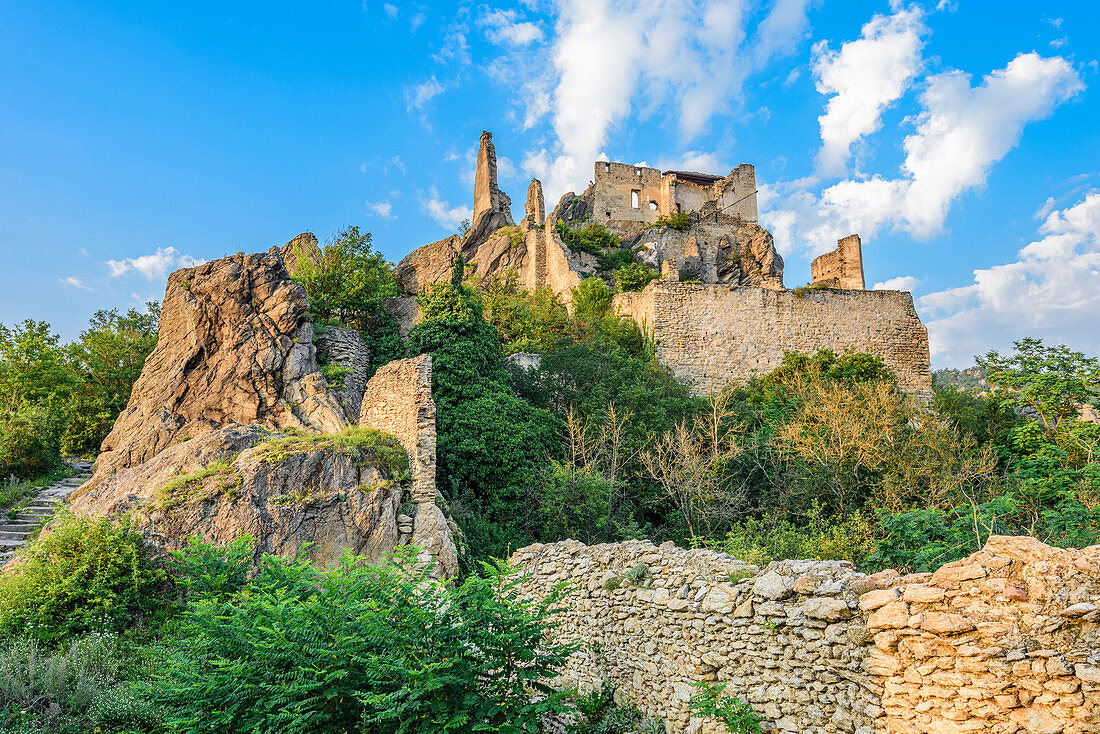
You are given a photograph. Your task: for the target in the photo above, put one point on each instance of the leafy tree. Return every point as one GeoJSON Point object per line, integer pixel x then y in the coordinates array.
{"type": "Point", "coordinates": [345, 280]}
{"type": "Point", "coordinates": [107, 361]}
{"type": "Point", "coordinates": [634, 277]}
{"type": "Point", "coordinates": [1052, 381]}
{"type": "Point", "coordinates": [33, 366]}
{"type": "Point", "coordinates": [492, 445]}
{"type": "Point", "coordinates": [358, 648]}
{"type": "Point", "coordinates": [526, 320]}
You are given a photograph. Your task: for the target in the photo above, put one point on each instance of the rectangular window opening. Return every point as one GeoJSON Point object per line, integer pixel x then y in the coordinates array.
{"type": "Point", "coordinates": [635, 198]}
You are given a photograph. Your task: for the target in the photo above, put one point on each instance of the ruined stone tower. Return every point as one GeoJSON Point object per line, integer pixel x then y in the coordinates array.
{"type": "Point", "coordinates": [842, 268]}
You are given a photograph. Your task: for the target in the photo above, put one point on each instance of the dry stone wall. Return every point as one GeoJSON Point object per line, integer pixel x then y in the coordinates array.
{"type": "Point", "coordinates": [841, 268]}
{"type": "Point", "coordinates": [714, 334]}
{"type": "Point", "coordinates": [1005, 641]}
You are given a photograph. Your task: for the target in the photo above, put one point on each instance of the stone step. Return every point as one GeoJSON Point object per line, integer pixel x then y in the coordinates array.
{"type": "Point", "coordinates": [17, 528]}
{"type": "Point", "coordinates": [10, 544]}
{"type": "Point", "coordinates": [30, 517]}
{"type": "Point", "coordinates": [40, 510]}
{"type": "Point", "coordinates": [7, 535]}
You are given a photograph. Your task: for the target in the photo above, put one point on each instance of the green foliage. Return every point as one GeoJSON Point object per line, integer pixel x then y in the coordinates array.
{"type": "Point", "coordinates": [591, 298]}
{"type": "Point", "coordinates": [179, 487]}
{"type": "Point", "coordinates": [603, 716]}
{"type": "Point", "coordinates": [30, 440]}
{"type": "Point", "coordinates": [14, 493]}
{"type": "Point", "coordinates": [84, 575]}
{"type": "Point", "coordinates": [736, 714]}
{"type": "Point", "coordinates": [526, 320]}
{"type": "Point", "coordinates": [595, 239]}
{"type": "Point", "coordinates": [634, 277]}
{"type": "Point", "coordinates": [382, 334]}
{"type": "Point", "coordinates": [334, 374]}
{"type": "Point", "coordinates": [1052, 381]}
{"type": "Point", "coordinates": [345, 279]}
{"type": "Point", "coordinates": [814, 535]}
{"type": "Point", "coordinates": [680, 221]}
{"type": "Point", "coordinates": [107, 361]}
{"type": "Point", "coordinates": [84, 687]}
{"type": "Point", "coordinates": [492, 445]}
{"type": "Point", "coordinates": [214, 572]}
{"type": "Point", "coordinates": [364, 648]}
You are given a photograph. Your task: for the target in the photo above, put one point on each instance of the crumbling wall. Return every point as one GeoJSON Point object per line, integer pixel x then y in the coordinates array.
{"type": "Point", "coordinates": [613, 184]}
{"type": "Point", "coordinates": [344, 347]}
{"type": "Point", "coordinates": [398, 400]}
{"type": "Point", "coordinates": [714, 334]}
{"type": "Point", "coordinates": [1005, 641]}
{"type": "Point", "coordinates": [841, 268]}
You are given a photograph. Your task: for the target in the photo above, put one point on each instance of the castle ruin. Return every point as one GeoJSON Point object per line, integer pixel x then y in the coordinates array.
{"type": "Point", "coordinates": [720, 310]}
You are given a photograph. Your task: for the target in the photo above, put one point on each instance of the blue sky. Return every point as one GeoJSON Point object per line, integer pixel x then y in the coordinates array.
{"type": "Point", "coordinates": [958, 138]}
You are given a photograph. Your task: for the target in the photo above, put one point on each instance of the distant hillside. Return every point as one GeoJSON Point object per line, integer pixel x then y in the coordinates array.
{"type": "Point", "coordinates": [972, 378]}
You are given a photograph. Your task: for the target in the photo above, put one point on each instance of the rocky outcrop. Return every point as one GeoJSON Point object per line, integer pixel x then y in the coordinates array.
{"type": "Point", "coordinates": [303, 245]}
{"type": "Point", "coordinates": [286, 492]}
{"type": "Point", "coordinates": [232, 429]}
{"type": "Point", "coordinates": [497, 252]}
{"type": "Point", "coordinates": [1005, 641]}
{"type": "Point", "coordinates": [235, 346]}
{"type": "Point", "coordinates": [492, 207]}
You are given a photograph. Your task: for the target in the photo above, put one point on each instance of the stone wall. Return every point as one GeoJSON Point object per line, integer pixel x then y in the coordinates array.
{"type": "Point", "coordinates": [345, 348]}
{"type": "Point", "coordinates": [1005, 641]}
{"type": "Point", "coordinates": [713, 334]}
{"type": "Point", "coordinates": [398, 400]}
{"type": "Point", "coordinates": [841, 268]}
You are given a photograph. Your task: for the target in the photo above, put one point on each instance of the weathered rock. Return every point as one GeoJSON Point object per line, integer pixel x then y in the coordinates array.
{"type": "Point", "coordinates": [324, 497]}
{"type": "Point", "coordinates": [235, 346]}
{"type": "Point", "coordinates": [304, 245]}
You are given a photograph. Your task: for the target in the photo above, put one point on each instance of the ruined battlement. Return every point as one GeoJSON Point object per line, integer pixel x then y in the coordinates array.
{"type": "Point", "coordinates": [713, 334]}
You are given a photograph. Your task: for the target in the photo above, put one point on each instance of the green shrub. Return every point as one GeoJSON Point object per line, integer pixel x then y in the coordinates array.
{"type": "Point", "coordinates": [736, 714]}
{"type": "Point", "coordinates": [595, 239]}
{"type": "Point", "coordinates": [364, 648]}
{"type": "Point", "coordinates": [81, 688]}
{"type": "Point", "coordinates": [680, 221]}
{"type": "Point", "coordinates": [214, 572]}
{"type": "Point", "coordinates": [634, 277]}
{"type": "Point", "coordinates": [84, 575]}
{"type": "Point", "coordinates": [812, 536]}
{"type": "Point", "coordinates": [603, 716]}
{"type": "Point", "coordinates": [334, 374]}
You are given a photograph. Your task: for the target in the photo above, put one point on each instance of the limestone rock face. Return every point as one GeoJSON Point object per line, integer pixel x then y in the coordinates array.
{"type": "Point", "coordinates": [498, 251]}
{"type": "Point", "coordinates": [235, 346]}
{"type": "Point", "coordinates": [323, 497]}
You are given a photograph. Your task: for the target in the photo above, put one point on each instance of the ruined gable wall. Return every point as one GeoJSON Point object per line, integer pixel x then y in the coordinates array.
{"type": "Point", "coordinates": [1005, 641]}
{"type": "Point", "coordinates": [713, 334]}
{"type": "Point", "coordinates": [398, 400]}
{"type": "Point", "coordinates": [841, 268]}
{"type": "Point", "coordinates": [736, 193]}
{"type": "Point", "coordinates": [611, 192]}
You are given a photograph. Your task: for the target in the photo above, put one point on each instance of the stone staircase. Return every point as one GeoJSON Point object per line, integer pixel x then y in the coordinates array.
{"type": "Point", "coordinates": [16, 530]}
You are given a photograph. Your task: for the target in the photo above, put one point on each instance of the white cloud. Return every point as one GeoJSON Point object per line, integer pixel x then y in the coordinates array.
{"type": "Point", "coordinates": [84, 251]}
{"type": "Point", "coordinates": [155, 265]}
{"type": "Point", "coordinates": [391, 10]}
{"type": "Point", "coordinates": [446, 215]}
{"type": "Point", "coordinates": [397, 163]}
{"type": "Point", "coordinates": [961, 131]}
{"type": "Point", "coordinates": [74, 282]}
{"type": "Point", "coordinates": [417, 21]}
{"type": "Point", "coordinates": [383, 209]}
{"type": "Point", "coordinates": [863, 78]}
{"type": "Point", "coordinates": [900, 283]}
{"type": "Point", "coordinates": [1051, 291]}
{"type": "Point", "coordinates": [419, 95]}
{"type": "Point", "coordinates": [610, 57]}
{"type": "Point", "coordinates": [504, 25]}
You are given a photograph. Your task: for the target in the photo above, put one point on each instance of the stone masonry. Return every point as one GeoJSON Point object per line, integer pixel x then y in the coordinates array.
{"type": "Point", "coordinates": [398, 400]}
{"type": "Point", "coordinates": [841, 268]}
{"type": "Point", "coordinates": [1005, 641]}
{"type": "Point", "coordinates": [713, 334]}
{"type": "Point", "coordinates": [344, 347]}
